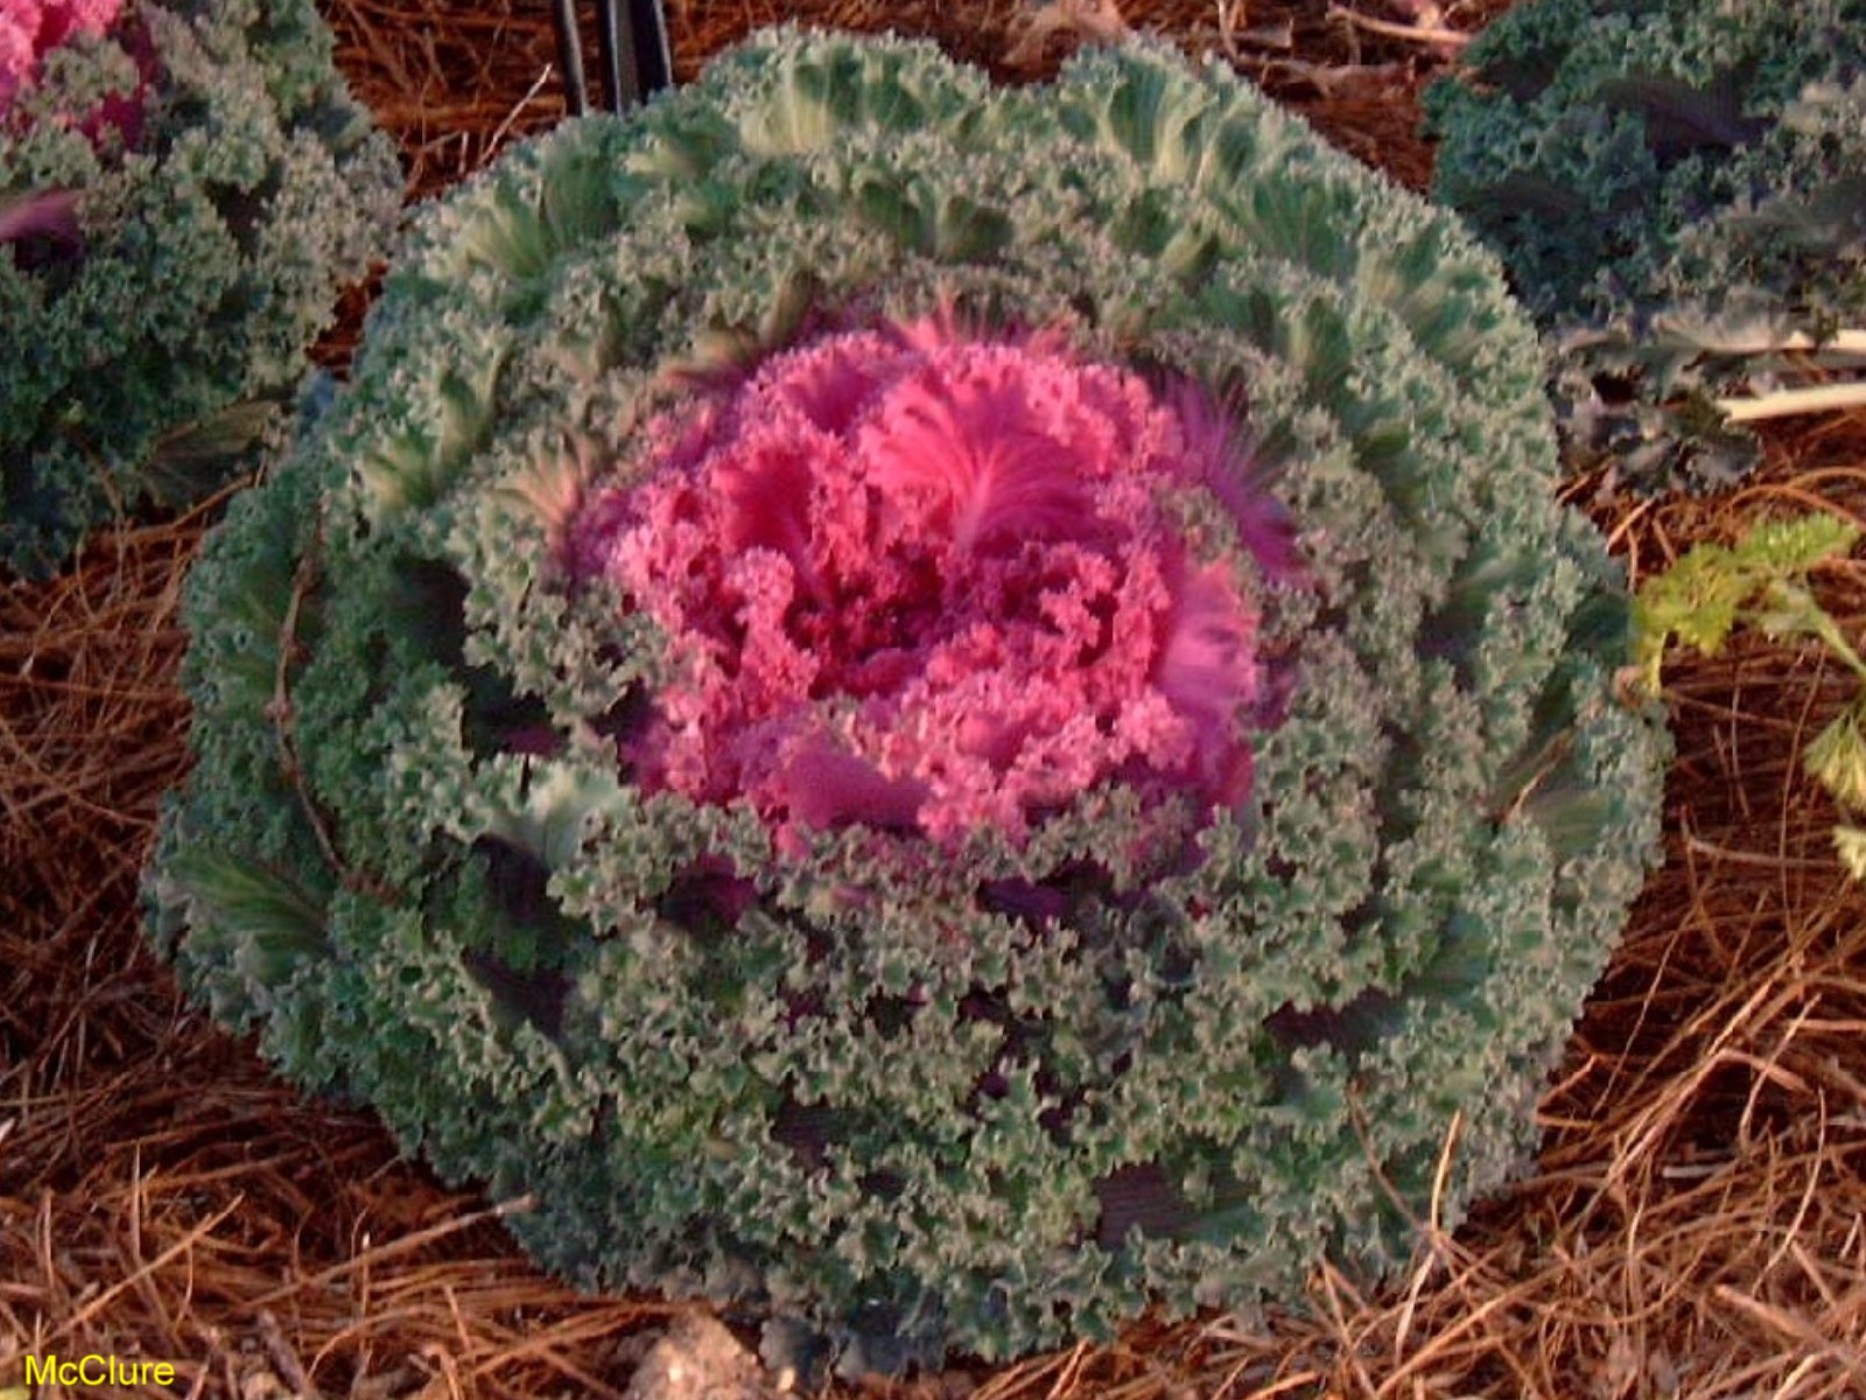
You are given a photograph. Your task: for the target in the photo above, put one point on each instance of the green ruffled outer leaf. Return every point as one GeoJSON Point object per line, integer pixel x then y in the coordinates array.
{"type": "Point", "coordinates": [861, 1091]}
{"type": "Point", "coordinates": [144, 366]}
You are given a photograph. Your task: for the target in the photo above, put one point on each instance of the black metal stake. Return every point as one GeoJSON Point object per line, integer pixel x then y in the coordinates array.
{"type": "Point", "coordinates": [654, 58]}
{"type": "Point", "coordinates": [613, 50]}
{"type": "Point", "coordinates": [570, 56]}
{"type": "Point", "coordinates": [635, 59]}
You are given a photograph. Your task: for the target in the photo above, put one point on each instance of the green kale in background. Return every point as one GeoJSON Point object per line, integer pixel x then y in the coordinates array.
{"type": "Point", "coordinates": [1678, 189]}
{"type": "Point", "coordinates": [187, 195]}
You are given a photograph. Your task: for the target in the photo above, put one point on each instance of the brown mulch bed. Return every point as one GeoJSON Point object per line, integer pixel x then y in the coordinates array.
{"type": "Point", "coordinates": [1696, 1226]}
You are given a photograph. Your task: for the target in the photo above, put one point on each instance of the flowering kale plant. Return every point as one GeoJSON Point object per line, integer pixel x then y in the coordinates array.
{"type": "Point", "coordinates": [947, 712]}
{"type": "Point", "coordinates": [1678, 190]}
{"type": "Point", "coordinates": [183, 189]}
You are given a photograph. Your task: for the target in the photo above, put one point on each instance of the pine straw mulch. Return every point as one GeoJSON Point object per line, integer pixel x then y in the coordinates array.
{"type": "Point", "coordinates": [1695, 1225]}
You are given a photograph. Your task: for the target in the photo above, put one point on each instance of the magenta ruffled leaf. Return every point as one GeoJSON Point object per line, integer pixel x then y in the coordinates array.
{"type": "Point", "coordinates": [49, 214]}
{"type": "Point", "coordinates": [823, 787]}
{"type": "Point", "coordinates": [973, 453]}
{"type": "Point", "coordinates": [1264, 524]}
{"type": "Point", "coordinates": [1206, 669]}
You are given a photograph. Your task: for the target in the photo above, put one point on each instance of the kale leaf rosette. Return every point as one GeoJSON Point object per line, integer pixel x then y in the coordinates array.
{"type": "Point", "coordinates": [184, 190]}
{"type": "Point", "coordinates": [944, 712]}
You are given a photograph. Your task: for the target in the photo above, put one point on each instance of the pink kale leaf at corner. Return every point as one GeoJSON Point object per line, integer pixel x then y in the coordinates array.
{"type": "Point", "coordinates": [31, 29]}
{"type": "Point", "coordinates": [927, 582]}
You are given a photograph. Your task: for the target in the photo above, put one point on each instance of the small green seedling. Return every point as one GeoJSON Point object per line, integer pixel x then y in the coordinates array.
{"type": "Point", "coordinates": [1762, 582]}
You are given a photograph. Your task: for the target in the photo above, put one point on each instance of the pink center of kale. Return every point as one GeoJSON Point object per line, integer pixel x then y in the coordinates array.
{"type": "Point", "coordinates": [927, 582]}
